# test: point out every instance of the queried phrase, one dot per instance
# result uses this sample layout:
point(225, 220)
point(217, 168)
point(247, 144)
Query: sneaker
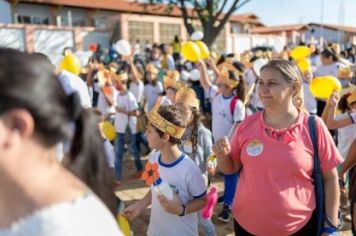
point(225, 214)
point(221, 199)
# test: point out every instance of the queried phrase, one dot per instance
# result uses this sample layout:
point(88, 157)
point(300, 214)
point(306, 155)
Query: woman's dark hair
point(239, 90)
point(329, 52)
point(174, 114)
point(29, 82)
point(343, 105)
point(153, 82)
point(95, 58)
point(176, 39)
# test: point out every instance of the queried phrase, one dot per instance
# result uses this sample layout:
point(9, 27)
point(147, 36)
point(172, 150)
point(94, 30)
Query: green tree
point(212, 14)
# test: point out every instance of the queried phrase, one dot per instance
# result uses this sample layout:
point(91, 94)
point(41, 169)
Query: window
point(236, 28)
point(24, 19)
point(100, 23)
point(142, 31)
point(168, 31)
point(78, 22)
point(32, 20)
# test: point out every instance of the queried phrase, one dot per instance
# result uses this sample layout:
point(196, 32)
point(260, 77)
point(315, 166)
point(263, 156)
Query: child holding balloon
point(177, 216)
point(346, 134)
point(227, 97)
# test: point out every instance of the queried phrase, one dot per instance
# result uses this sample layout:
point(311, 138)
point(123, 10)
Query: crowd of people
point(274, 142)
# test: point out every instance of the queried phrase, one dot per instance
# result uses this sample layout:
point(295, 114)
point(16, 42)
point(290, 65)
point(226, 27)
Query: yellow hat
point(104, 76)
point(188, 97)
point(174, 74)
point(119, 77)
point(224, 76)
point(151, 69)
point(352, 98)
point(171, 83)
point(345, 72)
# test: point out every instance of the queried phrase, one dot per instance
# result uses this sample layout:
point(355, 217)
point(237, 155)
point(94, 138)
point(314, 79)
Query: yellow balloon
point(300, 52)
point(204, 50)
point(303, 64)
point(191, 51)
point(70, 63)
point(323, 87)
point(108, 130)
point(124, 225)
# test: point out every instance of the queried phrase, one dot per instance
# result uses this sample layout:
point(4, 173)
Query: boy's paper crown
point(164, 125)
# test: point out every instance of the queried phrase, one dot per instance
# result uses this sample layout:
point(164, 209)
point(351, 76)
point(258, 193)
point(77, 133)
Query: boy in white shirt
point(177, 216)
point(125, 117)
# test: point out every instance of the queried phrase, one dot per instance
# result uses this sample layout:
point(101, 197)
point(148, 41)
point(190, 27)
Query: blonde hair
point(291, 74)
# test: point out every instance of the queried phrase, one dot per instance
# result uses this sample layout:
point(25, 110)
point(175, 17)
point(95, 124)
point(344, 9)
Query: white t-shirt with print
point(127, 101)
point(324, 70)
point(85, 215)
point(222, 119)
point(185, 178)
point(345, 135)
point(72, 83)
point(137, 89)
point(152, 93)
point(103, 106)
point(109, 153)
point(309, 100)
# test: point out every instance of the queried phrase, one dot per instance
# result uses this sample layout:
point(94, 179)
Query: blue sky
point(278, 12)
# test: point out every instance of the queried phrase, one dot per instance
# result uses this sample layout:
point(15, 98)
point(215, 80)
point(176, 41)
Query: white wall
point(328, 34)
point(5, 12)
point(101, 38)
point(52, 43)
point(12, 38)
point(244, 42)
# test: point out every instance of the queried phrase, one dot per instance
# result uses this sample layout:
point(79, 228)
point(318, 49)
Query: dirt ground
point(135, 189)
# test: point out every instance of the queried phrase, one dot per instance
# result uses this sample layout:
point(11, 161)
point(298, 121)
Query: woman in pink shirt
point(274, 152)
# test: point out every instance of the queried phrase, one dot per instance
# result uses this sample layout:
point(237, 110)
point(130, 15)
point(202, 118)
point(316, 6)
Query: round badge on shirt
point(188, 146)
point(255, 148)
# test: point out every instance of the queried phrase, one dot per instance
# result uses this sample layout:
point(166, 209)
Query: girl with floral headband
point(227, 104)
point(196, 142)
point(178, 216)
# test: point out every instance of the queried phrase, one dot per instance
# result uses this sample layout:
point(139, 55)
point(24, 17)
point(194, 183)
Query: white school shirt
point(222, 119)
point(166, 101)
point(127, 101)
point(324, 70)
point(152, 93)
point(109, 153)
point(86, 215)
point(345, 135)
point(72, 83)
point(309, 99)
point(137, 89)
point(103, 106)
point(185, 178)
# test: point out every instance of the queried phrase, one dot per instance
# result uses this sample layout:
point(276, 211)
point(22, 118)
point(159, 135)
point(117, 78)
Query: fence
point(51, 40)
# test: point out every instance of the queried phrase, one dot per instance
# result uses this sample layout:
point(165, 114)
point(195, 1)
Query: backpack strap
point(232, 105)
point(317, 176)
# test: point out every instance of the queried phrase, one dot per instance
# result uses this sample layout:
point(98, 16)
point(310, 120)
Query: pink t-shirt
point(275, 193)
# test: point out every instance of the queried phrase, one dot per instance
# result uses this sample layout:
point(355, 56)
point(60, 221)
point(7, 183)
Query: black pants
point(309, 229)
